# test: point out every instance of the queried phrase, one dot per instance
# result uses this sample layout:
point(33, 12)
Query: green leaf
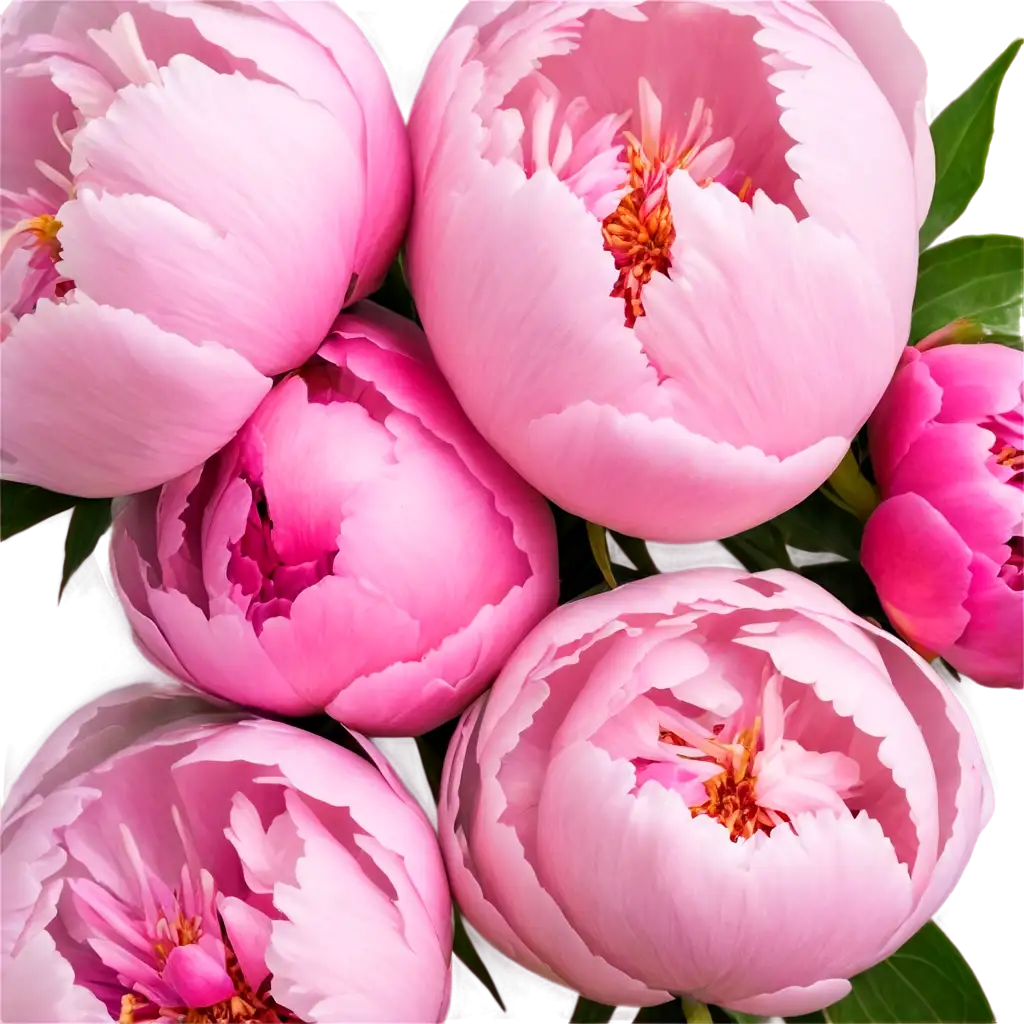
point(814, 532)
point(978, 278)
point(818, 1017)
point(744, 1018)
point(89, 522)
point(433, 746)
point(636, 553)
point(587, 1012)
point(24, 505)
point(577, 570)
point(926, 979)
point(848, 582)
point(962, 134)
point(463, 948)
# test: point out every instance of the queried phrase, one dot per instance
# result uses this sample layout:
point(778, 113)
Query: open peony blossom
point(191, 192)
point(945, 548)
point(357, 548)
point(665, 252)
point(166, 860)
point(710, 783)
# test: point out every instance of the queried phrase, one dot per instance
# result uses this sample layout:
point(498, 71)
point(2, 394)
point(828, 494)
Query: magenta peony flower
point(710, 783)
point(191, 192)
point(358, 548)
point(665, 253)
point(167, 860)
point(945, 548)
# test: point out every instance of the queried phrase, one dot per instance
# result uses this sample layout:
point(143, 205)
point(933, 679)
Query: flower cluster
point(379, 413)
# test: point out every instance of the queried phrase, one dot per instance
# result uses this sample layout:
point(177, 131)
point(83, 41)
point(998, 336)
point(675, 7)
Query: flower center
point(269, 584)
point(732, 792)
point(1011, 457)
point(640, 232)
point(244, 1007)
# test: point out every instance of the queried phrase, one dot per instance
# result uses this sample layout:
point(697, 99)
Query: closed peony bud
point(945, 548)
point(191, 192)
point(714, 784)
point(168, 860)
point(357, 548)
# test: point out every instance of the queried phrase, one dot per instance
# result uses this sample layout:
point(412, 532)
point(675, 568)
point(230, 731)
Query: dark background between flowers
point(992, 937)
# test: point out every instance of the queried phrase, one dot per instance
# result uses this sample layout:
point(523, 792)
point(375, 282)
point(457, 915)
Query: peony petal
point(325, 974)
point(963, 785)
point(991, 648)
point(951, 466)
point(337, 630)
point(657, 865)
point(99, 401)
point(197, 978)
point(744, 368)
point(874, 32)
point(912, 402)
point(100, 729)
point(24, 1000)
point(977, 381)
point(226, 650)
point(248, 931)
point(658, 467)
point(388, 161)
point(211, 122)
point(921, 568)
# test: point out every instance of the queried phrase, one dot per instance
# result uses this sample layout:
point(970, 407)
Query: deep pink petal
point(921, 568)
point(99, 401)
point(912, 401)
point(977, 381)
point(950, 465)
point(991, 648)
point(197, 978)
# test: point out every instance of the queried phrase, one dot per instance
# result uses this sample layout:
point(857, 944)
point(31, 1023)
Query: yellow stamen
point(44, 229)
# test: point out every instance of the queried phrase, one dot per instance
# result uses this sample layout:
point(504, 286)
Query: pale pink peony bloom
point(710, 783)
point(191, 192)
point(665, 253)
point(165, 859)
point(945, 548)
point(357, 548)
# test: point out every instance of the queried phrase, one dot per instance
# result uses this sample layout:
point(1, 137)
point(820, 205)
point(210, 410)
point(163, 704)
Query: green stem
point(696, 1013)
point(598, 537)
point(848, 488)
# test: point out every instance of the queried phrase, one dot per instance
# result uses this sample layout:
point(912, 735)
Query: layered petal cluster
point(945, 548)
point(166, 860)
point(190, 194)
point(357, 548)
point(670, 245)
point(710, 783)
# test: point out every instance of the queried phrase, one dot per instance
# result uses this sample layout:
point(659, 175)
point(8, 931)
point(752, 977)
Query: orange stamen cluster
point(639, 233)
point(732, 797)
point(1011, 457)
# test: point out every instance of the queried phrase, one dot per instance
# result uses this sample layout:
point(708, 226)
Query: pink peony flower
point(945, 548)
point(191, 192)
point(665, 253)
point(710, 783)
point(358, 548)
point(167, 860)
